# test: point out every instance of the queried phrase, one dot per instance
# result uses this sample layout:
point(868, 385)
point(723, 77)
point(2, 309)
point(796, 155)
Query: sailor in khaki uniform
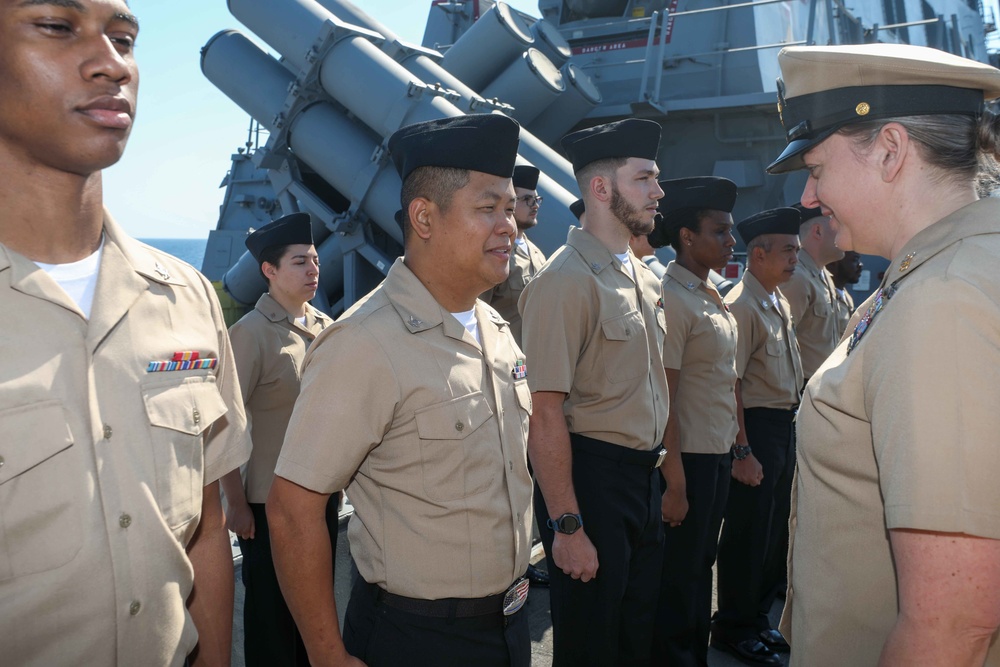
point(754, 538)
point(810, 291)
point(844, 273)
point(896, 547)
point(119, 403)
point(594, 329)
point(269, 345)
point(527, 259)
point(417, 400)
point(699, 358)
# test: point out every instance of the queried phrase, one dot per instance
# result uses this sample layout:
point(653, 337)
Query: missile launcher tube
point(497, 39)
point(346, 70)
point(581, 96)
point(550, 41)
point(531, 84)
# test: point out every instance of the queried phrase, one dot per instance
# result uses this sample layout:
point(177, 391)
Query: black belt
point(645, 458)
point(458, 607)
point(777, 414)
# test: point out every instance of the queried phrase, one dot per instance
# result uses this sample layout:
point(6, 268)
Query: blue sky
point(167, 185)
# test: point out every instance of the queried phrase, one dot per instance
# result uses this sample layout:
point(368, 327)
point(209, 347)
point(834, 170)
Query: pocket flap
point(189, 406)
point(454, 419)
point(523, 395)
point(623, 327)
point(775, 347)
point(32, 434)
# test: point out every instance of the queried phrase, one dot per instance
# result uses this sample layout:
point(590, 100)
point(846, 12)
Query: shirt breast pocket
point(42, 486)
point(179, 412)
point(455, 451)
point(624, 347)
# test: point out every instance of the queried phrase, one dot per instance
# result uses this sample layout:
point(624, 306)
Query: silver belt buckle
point(662, 455)
point(515, 596)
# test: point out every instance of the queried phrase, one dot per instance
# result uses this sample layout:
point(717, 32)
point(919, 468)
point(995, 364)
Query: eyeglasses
point(530, 200)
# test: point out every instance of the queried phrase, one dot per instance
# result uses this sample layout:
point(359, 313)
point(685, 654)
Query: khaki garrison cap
point(823, 88)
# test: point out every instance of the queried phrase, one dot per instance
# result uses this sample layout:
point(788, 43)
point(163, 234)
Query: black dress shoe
point(750, 651)
point(537, 577)
point(774, 640)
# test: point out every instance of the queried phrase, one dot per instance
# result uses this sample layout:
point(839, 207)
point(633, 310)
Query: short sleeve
point(797, 292)
point(931, 389)
point(227, 443)
point(555, 309)
point(347, 403)
point(680, 321)
point(247, 355)
point(744, 336)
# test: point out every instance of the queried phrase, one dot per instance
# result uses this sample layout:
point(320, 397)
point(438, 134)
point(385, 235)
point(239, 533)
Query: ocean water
point(191, 251)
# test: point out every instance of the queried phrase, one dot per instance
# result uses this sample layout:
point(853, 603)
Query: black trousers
point(383, 636)
point(753, 546)
point(270, 638)
point(684, 612)
point(609, 620)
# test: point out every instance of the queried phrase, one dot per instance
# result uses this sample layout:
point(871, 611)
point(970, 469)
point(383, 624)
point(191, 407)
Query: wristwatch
point(567, 523)
point(740, 452)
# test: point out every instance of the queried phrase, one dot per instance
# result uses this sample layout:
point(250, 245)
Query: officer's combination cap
point(477, 142)
point(291, 229)
point(632, 137)
point(577, 208)
point(807, 214)
point(773, 221)
point(525, 176)
point(824, 88)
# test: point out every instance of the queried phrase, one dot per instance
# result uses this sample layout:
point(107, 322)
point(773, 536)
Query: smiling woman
point(897, 536)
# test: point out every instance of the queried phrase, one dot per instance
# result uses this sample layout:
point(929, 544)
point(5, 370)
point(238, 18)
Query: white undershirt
point(627, 263)
point(468, 320)
point(301, 320)
point(78, 279)
point(521, 243)
point(774, 299)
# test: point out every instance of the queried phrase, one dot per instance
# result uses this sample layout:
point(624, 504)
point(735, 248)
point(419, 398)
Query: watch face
point(568, 523)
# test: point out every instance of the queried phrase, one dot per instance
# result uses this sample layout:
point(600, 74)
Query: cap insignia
point(862, 109)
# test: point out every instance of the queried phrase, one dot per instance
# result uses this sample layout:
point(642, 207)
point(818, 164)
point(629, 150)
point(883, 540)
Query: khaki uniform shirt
point(844, 306)
point(269, 346)
point(596, 336)
point(429, 428)
point(701, 344)
point(524, 264)
point(900, 433)
point(103, 462)
point(767, 353)
point(812, 299)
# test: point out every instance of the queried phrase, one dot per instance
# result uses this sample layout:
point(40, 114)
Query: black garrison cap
point(577, 208)
point(287, 230)
point(807, 213)
point(773, 221)
point(632, 137)
point(477, 142)
point(525, 176)
point(701, 192)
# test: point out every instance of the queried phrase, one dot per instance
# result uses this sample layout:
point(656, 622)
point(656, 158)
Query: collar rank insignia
point(520, 370)
point(163, 273)
point(878, 303)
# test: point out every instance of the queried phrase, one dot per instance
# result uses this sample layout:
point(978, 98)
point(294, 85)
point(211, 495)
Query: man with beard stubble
point(593, 330)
